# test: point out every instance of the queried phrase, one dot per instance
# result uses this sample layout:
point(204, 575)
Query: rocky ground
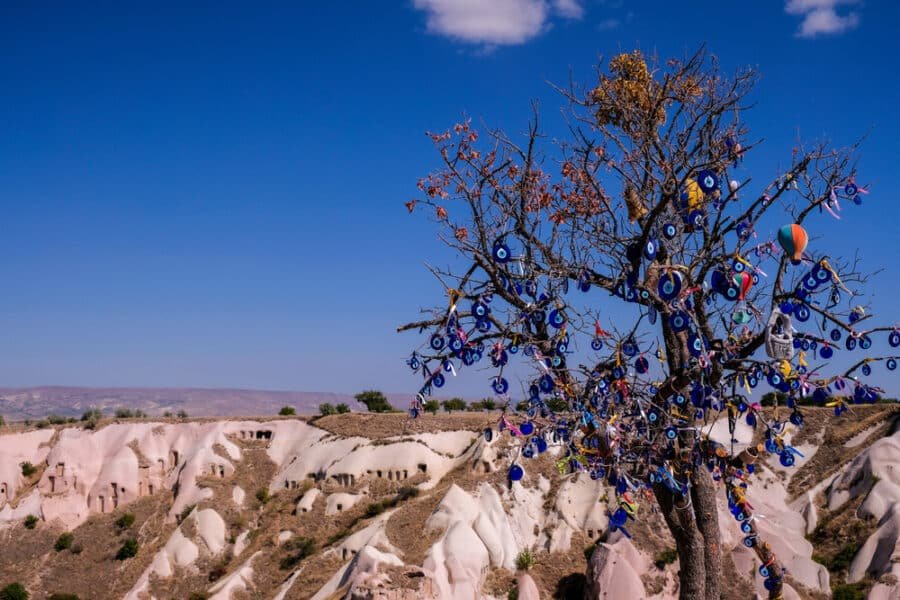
point(382, 506)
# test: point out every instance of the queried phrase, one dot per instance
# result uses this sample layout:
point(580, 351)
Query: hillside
point(39, 402)
point(383, 506)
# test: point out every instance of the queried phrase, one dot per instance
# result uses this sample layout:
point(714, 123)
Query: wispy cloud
point(571, 9)
point(609, 24)
point(821, 17)
point(494, 22)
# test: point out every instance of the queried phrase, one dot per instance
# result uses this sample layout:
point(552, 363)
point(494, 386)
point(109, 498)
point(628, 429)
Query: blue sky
point(212, 195)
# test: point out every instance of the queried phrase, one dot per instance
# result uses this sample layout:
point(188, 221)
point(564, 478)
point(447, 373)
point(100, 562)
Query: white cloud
point(494, 22)
point(821, 16)
point(609, 24)
point(571, 9)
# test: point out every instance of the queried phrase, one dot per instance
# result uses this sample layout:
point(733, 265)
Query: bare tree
point(637, 206)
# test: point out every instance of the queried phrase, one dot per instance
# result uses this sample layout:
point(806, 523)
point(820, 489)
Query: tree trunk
point(679, 515)
point(703, 496)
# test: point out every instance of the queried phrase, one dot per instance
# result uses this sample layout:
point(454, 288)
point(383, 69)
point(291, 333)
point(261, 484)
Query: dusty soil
point(29, 556)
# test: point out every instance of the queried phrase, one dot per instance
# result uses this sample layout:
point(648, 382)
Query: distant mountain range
point(37, 402)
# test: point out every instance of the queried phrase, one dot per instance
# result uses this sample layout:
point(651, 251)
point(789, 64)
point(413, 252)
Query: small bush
point(168, 414)
point(374, 509)
point(186, 512)
point(14, 591)
point(198, 596)
point(407, 492)
point(63, 542)
point(28, 469)
point(2, 421)
point(93, 414)
point(300, 548)
point(31, 522)
point(218, 572)
point(666, 557)
point(182, 414)
point(56, 420)
point(327, 409)
point(843, 558)
point(263, 496)
point(337, 537)
point(849, 591)
point(125, 521)
point(63, 597)
point(305, 545)
point(128, 550)
point(525, 560)
point(124, 413)
point(42, 424)
point(342, 409)
point(287, 411)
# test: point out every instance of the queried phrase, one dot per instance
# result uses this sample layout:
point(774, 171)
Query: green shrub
point(14, 591)
point(849, 591)
point(287, 411)
point(128, 550)
point(374, 509)
point(56, 420)
point(525, 560)
point(342, 409)
point(186, 512)
point(182, 414)
point(31, 522)
point(337, 537)
point(42, 424)
point(63, 597)
point(93, 414)
point(198, 596)
point(124, 413)
point(125, 521)
point(407, 492)
point(28, 469)
point(666, 557)
point(300, 548)
point(263, 496)
point(2, 421)
point(63, 542)
point(374, 401)
point(843, 558)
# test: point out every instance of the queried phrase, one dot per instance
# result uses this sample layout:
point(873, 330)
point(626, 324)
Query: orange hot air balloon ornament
point(793, 239)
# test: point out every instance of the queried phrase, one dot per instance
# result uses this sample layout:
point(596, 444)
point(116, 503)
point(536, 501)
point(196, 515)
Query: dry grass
point(832, 454)
point(376, 426)
point(29, 557)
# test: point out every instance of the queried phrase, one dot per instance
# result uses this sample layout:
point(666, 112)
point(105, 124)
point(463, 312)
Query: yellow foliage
point(630, 95)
